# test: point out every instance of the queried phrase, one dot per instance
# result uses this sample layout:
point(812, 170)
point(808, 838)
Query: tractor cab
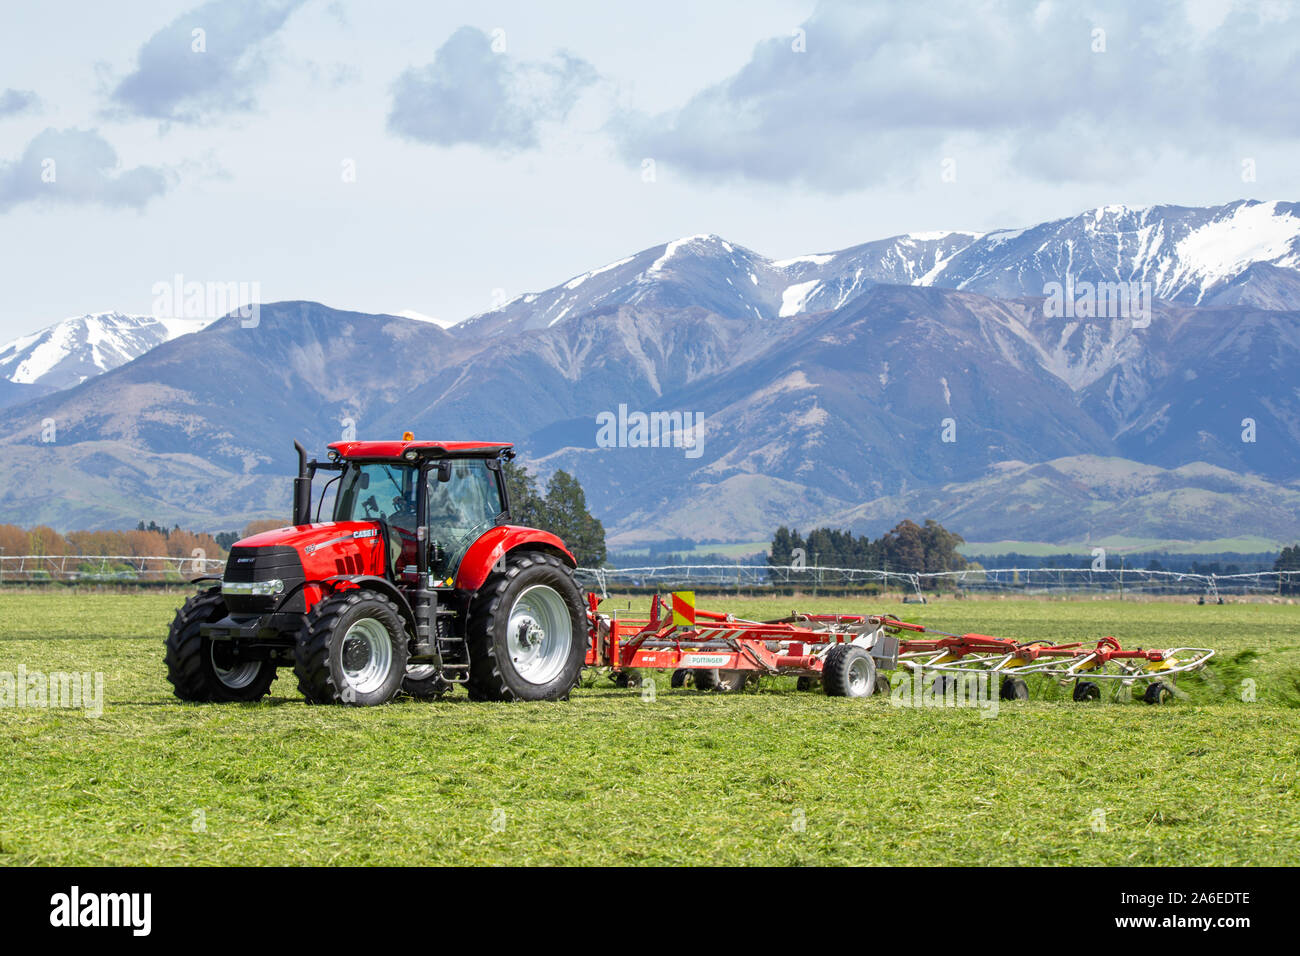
point(463, 498)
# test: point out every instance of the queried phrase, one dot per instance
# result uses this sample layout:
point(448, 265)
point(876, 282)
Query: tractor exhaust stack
point(301, 488)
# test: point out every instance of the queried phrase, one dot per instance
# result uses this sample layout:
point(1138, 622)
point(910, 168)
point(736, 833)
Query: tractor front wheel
point(200, 669)
point(352, 649)
point(527, 631)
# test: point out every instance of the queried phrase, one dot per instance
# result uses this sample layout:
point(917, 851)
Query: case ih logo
point(363, 533)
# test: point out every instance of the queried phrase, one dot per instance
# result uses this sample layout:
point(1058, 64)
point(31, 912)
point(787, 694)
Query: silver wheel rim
point(859, 676)
point(237, 677)
point(420, 671)
point(366, 655)
point(539, 634)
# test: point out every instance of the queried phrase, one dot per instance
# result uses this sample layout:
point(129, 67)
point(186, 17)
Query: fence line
point(1025, 580)
point(128, 568)
point(104, 567)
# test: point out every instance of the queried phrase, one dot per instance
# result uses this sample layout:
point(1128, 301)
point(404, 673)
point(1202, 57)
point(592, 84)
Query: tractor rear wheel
point(352, 649)
point(527, 631)
point(204, 670)
point(725, 682)
point(848, 671)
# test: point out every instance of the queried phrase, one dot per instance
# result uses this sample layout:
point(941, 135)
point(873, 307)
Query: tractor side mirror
point(444, 471)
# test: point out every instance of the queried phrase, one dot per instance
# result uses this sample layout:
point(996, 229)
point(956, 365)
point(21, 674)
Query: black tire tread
point(835, 669)
point(187, 667)
point(311, 653)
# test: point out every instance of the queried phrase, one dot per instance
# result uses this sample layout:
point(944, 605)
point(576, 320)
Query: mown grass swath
point(621, 776)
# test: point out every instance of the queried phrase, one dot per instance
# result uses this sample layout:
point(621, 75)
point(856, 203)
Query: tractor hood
point(325, 550)
point(315, 536)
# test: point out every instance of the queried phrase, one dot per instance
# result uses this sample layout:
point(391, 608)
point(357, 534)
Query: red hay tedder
point(419, 581)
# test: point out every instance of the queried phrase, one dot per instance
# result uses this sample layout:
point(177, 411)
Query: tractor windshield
point(378, 491)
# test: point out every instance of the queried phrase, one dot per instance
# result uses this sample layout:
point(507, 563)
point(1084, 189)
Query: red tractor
point(418, 582)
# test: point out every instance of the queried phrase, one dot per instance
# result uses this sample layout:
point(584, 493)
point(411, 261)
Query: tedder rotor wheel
point(1014, 688)
point(679, 677)
point(527, 631)
point(352, 649)
point(1158, 693)
point(804, 683)
point(723, 681)
point(205, 670)
point(1086, 690)
point(882, 683)
point(630, 678)
point(423, 682)
point(848, 671)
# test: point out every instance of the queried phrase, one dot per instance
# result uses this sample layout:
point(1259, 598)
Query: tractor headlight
point(267, 588)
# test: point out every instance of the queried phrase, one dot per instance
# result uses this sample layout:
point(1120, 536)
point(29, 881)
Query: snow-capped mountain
point(1244, 252)
point(704, 270)
point(69, 352)
point(1191, 255)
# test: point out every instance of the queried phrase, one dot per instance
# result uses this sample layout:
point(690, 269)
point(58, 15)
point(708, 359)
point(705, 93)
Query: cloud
point(881, 89)
point(184, 75)
point(14, 102)
point(76, 166)
point(471, 94)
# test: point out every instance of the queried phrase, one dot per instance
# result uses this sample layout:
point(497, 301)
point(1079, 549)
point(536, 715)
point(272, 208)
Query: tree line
point(908, 548)
point(141, 541)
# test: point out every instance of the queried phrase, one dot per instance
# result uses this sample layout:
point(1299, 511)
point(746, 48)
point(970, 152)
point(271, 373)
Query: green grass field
point(768, 777)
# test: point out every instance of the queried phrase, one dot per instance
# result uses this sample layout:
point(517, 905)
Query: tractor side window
point(461, 509)
point(471, 497)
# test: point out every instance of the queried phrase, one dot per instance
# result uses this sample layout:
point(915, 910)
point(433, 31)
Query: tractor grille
point(263, 564)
